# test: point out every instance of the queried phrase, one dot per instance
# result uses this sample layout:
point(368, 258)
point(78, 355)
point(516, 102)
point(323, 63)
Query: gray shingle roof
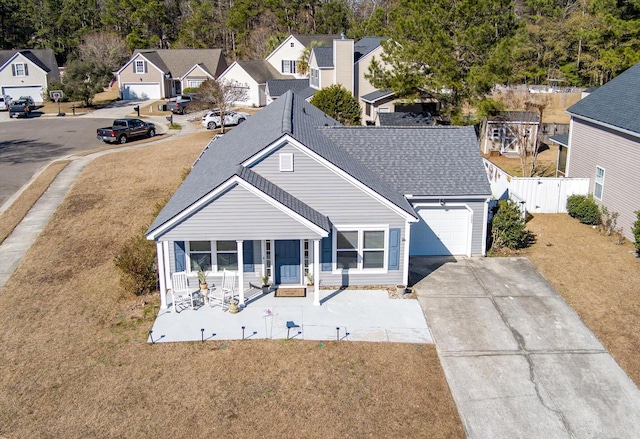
point(323, 39)
point(560, 139)
point(261, 71)
point(366, 45)
point(43, 58)
point(180, 61)
point(428, 161)
point(377, 95)
point(288, 115)
point(278, 87)
point(323, 55)
point(615, 103)
point(406, 119)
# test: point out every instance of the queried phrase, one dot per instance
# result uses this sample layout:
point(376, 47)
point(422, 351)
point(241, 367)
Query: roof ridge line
point(288, 114)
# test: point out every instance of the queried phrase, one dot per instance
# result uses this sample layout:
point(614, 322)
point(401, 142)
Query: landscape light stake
point(243, 332)
point(337, 333)
point(202, 334)
point(151, 337)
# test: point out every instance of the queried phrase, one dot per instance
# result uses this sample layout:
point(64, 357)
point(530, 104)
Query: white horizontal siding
point(619, 155)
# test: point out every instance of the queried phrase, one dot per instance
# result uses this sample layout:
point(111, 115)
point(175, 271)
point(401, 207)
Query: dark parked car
point(124, 129)
point(20, 108)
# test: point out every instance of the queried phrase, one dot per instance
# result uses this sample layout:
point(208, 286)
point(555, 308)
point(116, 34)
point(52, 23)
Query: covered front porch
point(344, 314)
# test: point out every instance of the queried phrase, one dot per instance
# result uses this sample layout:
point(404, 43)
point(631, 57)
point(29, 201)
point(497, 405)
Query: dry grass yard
point(598, 278)
point(75, 363)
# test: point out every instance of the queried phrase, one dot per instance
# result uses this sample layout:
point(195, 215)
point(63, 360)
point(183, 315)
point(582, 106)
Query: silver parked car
point(5, 101)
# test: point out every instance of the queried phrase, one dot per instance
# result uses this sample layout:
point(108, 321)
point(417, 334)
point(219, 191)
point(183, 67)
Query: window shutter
point(247, 256)
point(134, 67)
point(145, 67)
point(26, 70)
point(327, 253)
point(282, 66)
point(394, 249)
point(13, 69)
point(179, 256)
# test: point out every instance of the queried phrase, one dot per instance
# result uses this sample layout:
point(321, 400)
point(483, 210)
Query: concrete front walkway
point(519, 361)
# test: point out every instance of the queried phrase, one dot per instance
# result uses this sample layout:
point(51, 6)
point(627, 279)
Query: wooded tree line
point(460, 45)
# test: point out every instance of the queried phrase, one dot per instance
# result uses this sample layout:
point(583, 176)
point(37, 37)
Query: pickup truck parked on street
point(181, 104)
point(211, 119)
point(20, 108)
point(124, 129)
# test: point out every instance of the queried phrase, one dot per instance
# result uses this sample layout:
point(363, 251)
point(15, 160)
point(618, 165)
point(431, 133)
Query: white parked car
point(211, 119)
point(5, 101)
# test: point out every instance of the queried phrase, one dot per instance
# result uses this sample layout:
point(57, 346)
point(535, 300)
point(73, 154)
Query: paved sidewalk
point(518, 360)
point(16, 245)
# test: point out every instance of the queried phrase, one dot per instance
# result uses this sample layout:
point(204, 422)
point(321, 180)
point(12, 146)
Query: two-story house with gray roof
point(291, 191)
point(604, 145)
point(27, 72)
point(164, 73)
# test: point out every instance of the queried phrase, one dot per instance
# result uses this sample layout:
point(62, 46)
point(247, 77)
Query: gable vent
point(286, 162)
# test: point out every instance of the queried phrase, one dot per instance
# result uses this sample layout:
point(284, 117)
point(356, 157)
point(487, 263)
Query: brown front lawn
point(599, 279)
point(75, 362)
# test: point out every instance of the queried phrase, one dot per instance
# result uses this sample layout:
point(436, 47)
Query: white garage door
point(35, 91)
point(141, 91)
point(441, 231)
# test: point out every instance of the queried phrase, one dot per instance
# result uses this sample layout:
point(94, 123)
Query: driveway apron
point(519, 361)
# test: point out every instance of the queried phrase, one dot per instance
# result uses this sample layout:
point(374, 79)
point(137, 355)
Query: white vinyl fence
point(535, 194)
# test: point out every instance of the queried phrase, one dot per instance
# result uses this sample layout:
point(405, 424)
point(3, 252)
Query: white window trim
point(137, 66)
point(194, 83)
point(214, 256)
point(286, 162)
point(360, 228)
point(24, 69)
point(600, 182)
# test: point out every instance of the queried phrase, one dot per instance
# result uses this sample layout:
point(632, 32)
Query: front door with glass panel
point(287, 262)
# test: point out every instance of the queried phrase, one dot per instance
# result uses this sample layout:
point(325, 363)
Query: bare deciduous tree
point(108, 49)
point(523, 118)
point(222, 95)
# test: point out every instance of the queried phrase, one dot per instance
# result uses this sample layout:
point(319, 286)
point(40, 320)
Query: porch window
point(200, 255)
point(360, 249)
point(598, 187)
point(226, 255)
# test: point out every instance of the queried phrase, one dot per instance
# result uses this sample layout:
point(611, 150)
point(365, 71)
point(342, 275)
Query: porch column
point(405, 258)
point(240, 272)
point(316, 272)
point(161, 274)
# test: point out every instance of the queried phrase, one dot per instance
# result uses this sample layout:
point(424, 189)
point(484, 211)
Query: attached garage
point(442, 230)
point(141, 91)
point(35, 91)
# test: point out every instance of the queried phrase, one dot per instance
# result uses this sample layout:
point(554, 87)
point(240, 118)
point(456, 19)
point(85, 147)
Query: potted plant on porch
point(202, 279)
point(265, 283)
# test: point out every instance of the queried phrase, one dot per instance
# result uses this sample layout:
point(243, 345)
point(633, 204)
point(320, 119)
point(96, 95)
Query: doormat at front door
point(291, 292)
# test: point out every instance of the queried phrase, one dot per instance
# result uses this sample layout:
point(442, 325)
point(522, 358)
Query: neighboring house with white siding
point(164, 73)
point(291, 191)
point(604, 145)
point(27, 73)
point(286, 56)
point(252, 75)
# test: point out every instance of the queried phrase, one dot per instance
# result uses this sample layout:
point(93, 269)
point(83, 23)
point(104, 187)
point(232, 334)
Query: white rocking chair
point(180, 292)
point(222, 296)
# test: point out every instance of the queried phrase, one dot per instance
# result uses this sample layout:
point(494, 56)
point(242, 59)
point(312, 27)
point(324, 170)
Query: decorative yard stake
point(202, 334)
point(338, 333)
point(243, 332)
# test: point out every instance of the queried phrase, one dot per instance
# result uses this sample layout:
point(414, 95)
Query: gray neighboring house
point(291, 191)
point(27, 72)
point(604, 145)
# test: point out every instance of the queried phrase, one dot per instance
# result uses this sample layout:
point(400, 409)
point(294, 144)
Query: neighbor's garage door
point(35, 91)
point(141, 91)
point(441, 231)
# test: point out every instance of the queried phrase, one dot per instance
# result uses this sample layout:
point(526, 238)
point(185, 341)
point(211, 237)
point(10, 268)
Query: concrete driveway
point(519, 361)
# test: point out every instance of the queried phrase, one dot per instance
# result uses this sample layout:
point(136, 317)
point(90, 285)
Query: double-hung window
point(598, 187)
point(361, 249)
point(315, 78)
point(139, 66)
point(289, 66)
point(20, 69)
point(213, 255)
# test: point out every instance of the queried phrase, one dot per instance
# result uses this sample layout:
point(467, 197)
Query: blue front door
point(287, 262)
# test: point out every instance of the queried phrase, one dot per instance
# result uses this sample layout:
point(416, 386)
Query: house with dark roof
point(291, 192)
point(252, 75)
point(286, 56)
point(278, 87)
point(27, 72)
point(164, 73)
point(604, 145)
